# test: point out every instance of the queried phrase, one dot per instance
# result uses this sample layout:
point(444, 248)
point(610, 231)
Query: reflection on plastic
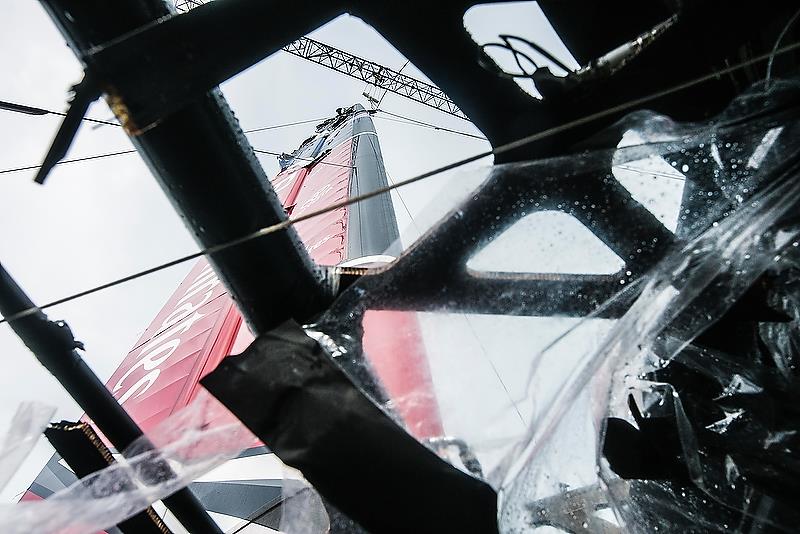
point(184, 442)
point(661, 397)
point(30, 420)
point(302, 509)
point(693, 343)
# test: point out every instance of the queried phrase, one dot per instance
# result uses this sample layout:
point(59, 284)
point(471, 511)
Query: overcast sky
point(96, 221)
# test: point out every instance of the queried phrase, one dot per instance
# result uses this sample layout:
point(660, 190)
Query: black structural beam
point(54, 346)
point(204, 163)
point(159, 67)
point(85, 453)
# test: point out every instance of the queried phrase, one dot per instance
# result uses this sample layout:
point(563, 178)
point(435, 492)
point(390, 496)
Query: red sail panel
point(159, 374)
point(286, 185)
point(394, 344)
point(325, 184)
point(200, 325)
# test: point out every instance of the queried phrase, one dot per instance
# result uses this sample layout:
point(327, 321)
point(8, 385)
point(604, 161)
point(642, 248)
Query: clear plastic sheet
point(302, 509)
point(27, 425)
point(184, 444)
point(529, 381)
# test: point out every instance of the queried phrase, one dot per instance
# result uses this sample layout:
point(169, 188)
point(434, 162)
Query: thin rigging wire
point(121, 152)
point(514, 403)
point(14, 107)
point(87, 119)
point(464, 315)
point(403, 202)
point(33, 110)
point(408, 120)
point(359, 198)
point(43, 111)
point(75, 160)
point(109, 154)
point(271, 153)
point(286, 125)
point(774, 48)
point(429, 125)
point(386, 92)
point(391, 182)
point(410, 123)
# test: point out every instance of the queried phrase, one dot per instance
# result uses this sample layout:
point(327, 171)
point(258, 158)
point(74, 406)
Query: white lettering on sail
point(146, 381)
point(155, 352)
point(151, 361)
point(314, 198)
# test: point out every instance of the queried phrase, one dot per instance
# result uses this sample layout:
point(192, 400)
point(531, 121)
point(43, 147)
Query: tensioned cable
point(131, 151)
point(14, 107)
point(285, 125)
point(429, 125)
point(74, 160)
point(359, 198)
point(391, 182)
point(466, 317)
point(271, 153)
point(775, 47)
point(410, 123)
point(253, 130)
point(122, 152)
point(32, 110)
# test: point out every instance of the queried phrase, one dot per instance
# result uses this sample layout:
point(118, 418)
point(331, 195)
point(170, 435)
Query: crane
point(361, 69)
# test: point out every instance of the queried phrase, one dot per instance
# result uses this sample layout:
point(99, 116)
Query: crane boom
point(373, 73)
point(361, 69)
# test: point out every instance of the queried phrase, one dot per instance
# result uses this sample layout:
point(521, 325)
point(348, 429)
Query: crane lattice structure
point(361, 69)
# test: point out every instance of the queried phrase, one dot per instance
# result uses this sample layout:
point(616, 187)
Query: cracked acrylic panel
point(654, 393)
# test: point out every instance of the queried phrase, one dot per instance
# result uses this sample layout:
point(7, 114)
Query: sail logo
point(318, 194)
point(161, 346)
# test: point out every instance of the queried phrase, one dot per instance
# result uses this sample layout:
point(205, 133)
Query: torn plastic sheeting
point(728, 248)
point(82, 449)
point(738, 439)
point(737, 421)
point(683, 297)
point(558, 171)
point(302, 509)
point(731, 226)
point(27, 425)
point(127, 487)
point(316, 420)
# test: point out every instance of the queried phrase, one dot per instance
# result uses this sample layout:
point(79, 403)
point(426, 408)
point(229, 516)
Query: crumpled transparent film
point(718, 266)
point(27, 425)
point(302, 509)
point(186, 446)
point(529, 395)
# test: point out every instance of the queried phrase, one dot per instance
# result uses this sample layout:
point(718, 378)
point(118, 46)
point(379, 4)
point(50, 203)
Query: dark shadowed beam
point(54, 346)
point(206, 166)
point(159, 67)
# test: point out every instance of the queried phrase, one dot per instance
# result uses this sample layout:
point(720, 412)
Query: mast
point(200, 325)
